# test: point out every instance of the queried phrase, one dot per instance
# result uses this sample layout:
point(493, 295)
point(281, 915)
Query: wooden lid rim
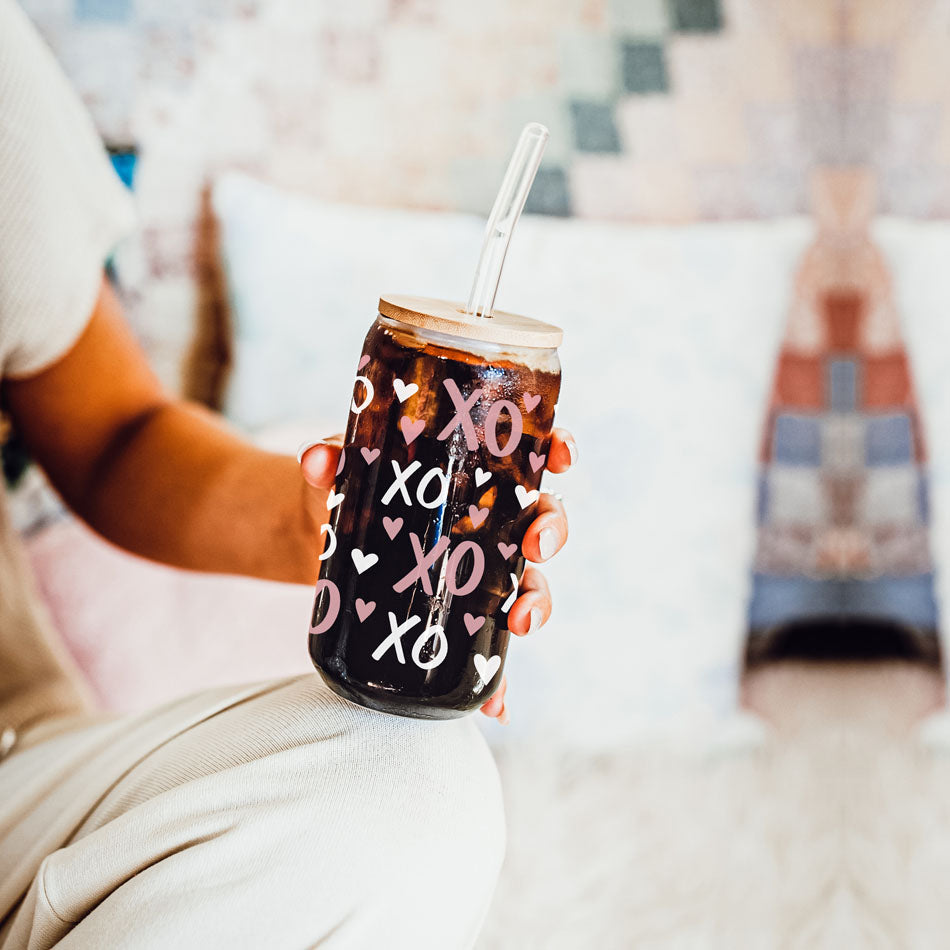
point(449, 317)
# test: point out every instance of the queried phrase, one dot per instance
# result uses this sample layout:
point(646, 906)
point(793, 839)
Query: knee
point(310, 818)
point(404, 817)
point(436, 778)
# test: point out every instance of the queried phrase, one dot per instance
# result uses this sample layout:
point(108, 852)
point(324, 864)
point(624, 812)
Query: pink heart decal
point(342, 461)
point(372, 454)
point(537, 461)
point(473, 624)
point(478, 515)
point(392, 526)
point(411, 428)
point(364, 359)
point(364, 609)
point(507, 549)
point(531, 401)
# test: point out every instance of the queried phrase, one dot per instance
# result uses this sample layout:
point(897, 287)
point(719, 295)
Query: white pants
point(269, 817)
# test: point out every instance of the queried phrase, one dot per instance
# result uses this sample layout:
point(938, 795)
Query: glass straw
point(504, 216)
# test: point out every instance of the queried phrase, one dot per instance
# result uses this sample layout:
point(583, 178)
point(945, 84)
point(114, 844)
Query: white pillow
point(304, 280)
point(670, 339)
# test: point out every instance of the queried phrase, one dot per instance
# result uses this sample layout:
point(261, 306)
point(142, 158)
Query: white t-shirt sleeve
point(62, 207)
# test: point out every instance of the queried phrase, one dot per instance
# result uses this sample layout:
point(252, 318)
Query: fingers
point(547, 534)
point(319, 461)
point(495, 707)
point(533, 606)
point(529, 611)
point(563, 452)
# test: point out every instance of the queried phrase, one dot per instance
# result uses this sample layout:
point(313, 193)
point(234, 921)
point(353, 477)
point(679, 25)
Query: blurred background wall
point(660, 110)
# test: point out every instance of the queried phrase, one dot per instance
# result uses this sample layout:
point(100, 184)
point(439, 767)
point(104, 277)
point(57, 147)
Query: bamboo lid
point(443, 316)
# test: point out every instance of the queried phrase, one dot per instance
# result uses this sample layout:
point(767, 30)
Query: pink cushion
point(144, 633)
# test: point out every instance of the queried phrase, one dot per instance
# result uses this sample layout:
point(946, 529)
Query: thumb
point(319, 461)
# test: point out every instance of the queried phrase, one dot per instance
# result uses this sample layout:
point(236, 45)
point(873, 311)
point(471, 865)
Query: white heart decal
point(481, 476)
point(363, 562)
point(526, 497)
point(486, 667)
point(404, 390)
point(334, 499)
point(513, 596)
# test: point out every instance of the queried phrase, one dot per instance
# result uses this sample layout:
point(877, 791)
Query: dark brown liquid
point(432, 676)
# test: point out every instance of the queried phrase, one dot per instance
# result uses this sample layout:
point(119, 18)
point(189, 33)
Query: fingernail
point(306, 447)
point(503, 716)
point(547, 543)
point(535, 616)
point(572, 451)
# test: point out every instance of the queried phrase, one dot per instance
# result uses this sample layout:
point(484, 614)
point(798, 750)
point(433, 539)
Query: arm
point(166, 480)
point(160, 477)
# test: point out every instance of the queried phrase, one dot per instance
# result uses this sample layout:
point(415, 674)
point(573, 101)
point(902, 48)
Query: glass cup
point(447, 439)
